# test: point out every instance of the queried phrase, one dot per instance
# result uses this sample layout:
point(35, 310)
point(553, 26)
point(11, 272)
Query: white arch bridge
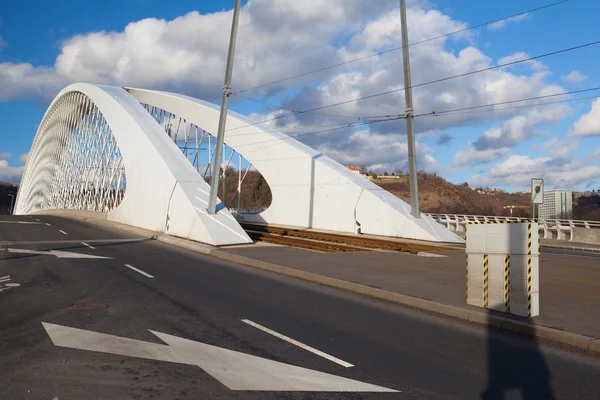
point(141, 157)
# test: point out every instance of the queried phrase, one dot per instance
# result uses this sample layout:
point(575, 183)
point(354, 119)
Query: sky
point(182, 47)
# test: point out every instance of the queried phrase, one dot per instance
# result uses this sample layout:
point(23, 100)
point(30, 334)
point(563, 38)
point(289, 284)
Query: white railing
point(562, 227)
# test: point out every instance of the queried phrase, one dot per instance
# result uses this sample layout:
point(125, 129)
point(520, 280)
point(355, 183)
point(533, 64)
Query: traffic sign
point(537, 191)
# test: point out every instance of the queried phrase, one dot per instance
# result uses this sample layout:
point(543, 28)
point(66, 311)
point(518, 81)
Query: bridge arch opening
point(243, 189)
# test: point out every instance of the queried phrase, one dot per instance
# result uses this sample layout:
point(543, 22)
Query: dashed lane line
point(147, 275)
point(63, 232)
point(299, 344)
point(85, 244)
point(48, 224)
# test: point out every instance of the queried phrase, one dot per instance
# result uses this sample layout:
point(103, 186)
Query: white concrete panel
point(308, 188)
point(475, 238)
point(511, 238)
point(496, 269)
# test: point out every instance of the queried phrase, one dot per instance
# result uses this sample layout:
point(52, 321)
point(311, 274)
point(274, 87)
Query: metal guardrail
point(562, 227)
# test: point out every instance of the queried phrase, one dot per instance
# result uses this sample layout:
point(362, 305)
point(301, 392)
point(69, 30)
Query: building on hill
point(556, 204)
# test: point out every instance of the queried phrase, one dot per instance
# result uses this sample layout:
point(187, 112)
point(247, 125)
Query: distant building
point(353, 169)
point(556, 204)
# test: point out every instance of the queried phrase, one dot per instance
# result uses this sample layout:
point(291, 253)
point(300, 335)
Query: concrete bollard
point(503, 266)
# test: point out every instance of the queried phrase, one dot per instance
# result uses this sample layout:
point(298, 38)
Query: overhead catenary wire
point(436, 113)
point(507, 108)
point(365, 122)
point(352, 124)
point(280, 107)
point(401, 47)
point(425, 83)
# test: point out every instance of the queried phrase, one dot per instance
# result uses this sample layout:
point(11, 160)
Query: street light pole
point(214, 182)
point(412, 159)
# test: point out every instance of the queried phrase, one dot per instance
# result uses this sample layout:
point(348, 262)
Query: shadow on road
point(516, 365)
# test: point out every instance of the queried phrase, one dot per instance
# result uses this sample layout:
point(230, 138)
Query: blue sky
point(280, 38)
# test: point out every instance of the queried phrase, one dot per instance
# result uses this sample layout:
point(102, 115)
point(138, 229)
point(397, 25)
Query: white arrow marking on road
point(56, 253)
point(237, 371)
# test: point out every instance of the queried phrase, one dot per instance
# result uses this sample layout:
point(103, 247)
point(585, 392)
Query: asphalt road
point(195, 297)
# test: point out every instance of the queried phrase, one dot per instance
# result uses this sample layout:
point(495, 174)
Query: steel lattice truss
point(190, 139)
point(76, 161)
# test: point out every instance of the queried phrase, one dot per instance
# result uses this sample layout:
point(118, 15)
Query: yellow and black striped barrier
point(502, 266)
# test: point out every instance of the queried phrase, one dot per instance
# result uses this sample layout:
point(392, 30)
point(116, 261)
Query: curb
point(556, 246)
point(582, 342)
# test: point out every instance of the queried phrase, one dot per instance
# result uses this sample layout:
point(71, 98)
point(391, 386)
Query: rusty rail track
point(345, 241)
point(300, 243)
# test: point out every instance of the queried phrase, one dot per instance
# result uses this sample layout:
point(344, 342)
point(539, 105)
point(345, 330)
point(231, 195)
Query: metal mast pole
point(412, 159)
point(214, 182)
point(239, 185)
point(12, 201)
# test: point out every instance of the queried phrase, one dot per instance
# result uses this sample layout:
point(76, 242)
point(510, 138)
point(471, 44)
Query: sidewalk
point(570, 291)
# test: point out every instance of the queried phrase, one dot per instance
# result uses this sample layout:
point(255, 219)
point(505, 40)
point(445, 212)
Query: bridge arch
point(98, 149)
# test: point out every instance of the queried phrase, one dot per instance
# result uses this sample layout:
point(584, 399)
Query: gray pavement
point(569, 280)
point(205, 300)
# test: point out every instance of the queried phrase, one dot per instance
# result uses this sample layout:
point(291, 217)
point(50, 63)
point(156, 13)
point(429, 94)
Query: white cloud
point(472, 156)
point(518, 129)
point(9, 173)
point(501, 24)
point(23, 157)
point(5, 156)
point(574, 77)
point(519, 56)
point(276, 38)
point(588, 124)
point(378, 152)
point(559, 148)
point(518, 170)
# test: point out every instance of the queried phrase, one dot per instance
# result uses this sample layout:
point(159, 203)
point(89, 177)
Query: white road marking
point(21, 222)
point(63, 232)
point(91, 247)
point(4, 279)
point(9, 285)
point(139, 271)
point(299, 344)
point(235, 370)
point(56, 253)
point(37, 220)
point(48, 224)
